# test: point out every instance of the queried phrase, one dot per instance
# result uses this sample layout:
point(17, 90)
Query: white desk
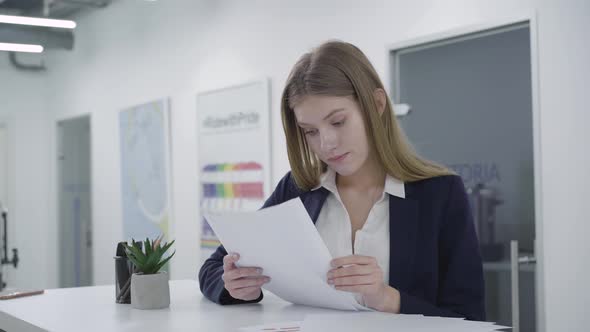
point(94, 309)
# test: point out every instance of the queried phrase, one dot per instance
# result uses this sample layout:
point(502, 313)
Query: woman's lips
point(338, 158)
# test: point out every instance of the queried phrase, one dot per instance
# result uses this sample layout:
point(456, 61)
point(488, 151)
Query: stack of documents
point(377, 322)
point(284, 242)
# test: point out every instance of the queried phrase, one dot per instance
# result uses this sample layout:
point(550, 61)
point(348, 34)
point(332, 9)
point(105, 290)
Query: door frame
point(55, 189)
point(6, 124)
point(10, 275)
point(529, 18)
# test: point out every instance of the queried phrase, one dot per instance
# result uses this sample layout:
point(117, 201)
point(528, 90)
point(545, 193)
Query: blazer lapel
point(313, 202)
point(403, 228)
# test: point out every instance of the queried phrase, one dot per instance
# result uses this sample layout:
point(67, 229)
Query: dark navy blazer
point(435, 262)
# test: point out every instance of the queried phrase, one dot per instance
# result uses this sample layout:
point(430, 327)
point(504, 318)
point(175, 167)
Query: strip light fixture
point(41, 22)
point(28, 48)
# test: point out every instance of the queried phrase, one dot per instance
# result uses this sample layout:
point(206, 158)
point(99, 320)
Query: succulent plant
point(149, 259)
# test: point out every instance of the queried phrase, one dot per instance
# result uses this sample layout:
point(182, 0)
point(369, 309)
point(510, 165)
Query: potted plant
point(149, 286)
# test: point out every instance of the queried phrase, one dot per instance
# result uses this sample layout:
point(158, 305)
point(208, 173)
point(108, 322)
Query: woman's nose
point(328, 141)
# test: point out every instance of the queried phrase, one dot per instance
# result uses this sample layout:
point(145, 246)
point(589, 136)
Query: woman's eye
point(310, 132)
point(338, 123)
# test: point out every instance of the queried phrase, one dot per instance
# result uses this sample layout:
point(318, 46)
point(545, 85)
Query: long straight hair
point(340, 69)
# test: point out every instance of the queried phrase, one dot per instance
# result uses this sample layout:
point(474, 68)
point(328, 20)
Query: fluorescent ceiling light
point(21, 48)
point(41, 22)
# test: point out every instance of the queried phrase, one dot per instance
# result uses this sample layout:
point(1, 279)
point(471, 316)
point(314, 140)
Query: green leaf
point(136, 244)
point(148, 247)
point(135, 255)
point(152, 261)
point(162, 263)
point(167, 246)
point(149, 258)
point(134, 261)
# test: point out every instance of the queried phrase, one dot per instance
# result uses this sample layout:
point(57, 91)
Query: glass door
point(470, 108)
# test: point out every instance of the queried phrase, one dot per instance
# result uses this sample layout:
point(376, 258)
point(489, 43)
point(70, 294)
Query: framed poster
point(234, 152)
point(145, 170)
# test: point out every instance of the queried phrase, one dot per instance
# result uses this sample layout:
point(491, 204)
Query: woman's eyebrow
point(327, 116)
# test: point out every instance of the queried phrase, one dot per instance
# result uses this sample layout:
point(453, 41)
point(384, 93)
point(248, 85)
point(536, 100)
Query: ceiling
point(49, 38)
point(57, 8)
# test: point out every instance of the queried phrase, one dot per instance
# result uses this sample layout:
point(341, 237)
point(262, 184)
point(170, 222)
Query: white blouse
point(372, 239)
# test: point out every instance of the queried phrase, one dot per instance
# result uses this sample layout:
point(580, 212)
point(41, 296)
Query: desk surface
point(94, 309)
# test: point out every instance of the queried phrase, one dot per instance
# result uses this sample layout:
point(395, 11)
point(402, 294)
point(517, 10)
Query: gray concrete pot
point(150, 291)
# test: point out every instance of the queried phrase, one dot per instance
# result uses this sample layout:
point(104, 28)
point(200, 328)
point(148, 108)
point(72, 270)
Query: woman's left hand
point(362, 274)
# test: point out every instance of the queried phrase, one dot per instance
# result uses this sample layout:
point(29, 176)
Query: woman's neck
point(369, 177)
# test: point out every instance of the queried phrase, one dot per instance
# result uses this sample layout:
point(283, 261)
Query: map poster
point(145, 170)
point(233, 152)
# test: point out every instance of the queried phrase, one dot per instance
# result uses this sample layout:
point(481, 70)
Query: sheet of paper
point(378, 321)
point(284, 242)
point(274, 327)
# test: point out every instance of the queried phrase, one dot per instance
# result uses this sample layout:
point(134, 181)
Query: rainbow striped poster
point(234, 153)
point(229, 187)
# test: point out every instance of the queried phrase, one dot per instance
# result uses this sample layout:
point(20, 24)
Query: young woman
point(399, 226)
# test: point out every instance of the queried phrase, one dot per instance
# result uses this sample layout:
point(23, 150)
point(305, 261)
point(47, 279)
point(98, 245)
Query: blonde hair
point(340, 69)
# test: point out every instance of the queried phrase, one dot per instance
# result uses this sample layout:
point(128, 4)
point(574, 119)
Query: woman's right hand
point(243, 283)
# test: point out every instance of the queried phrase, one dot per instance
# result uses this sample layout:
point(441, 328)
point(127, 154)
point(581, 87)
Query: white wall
point(24, 111)
point(132, 53)
point(564, 68)
point(136, 51)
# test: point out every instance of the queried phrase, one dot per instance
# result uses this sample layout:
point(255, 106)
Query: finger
point(352, 270)
point(353, 259)
point(352, 281)
point(229, 261)
point(354, 289)
point(242, 272)
point(244, 292)
point(249, 282)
